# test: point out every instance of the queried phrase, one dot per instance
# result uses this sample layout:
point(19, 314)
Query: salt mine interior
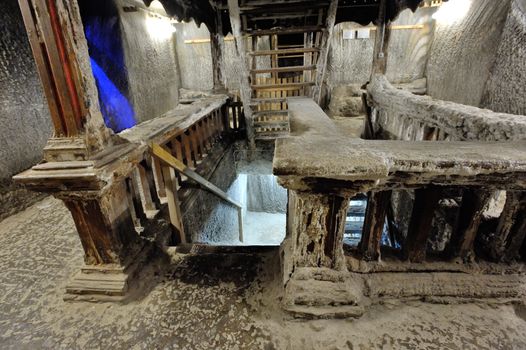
point(263, 174)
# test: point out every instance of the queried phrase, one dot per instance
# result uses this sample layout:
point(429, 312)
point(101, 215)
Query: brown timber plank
point(426, 201)
point(374, 224)
point(284, 51)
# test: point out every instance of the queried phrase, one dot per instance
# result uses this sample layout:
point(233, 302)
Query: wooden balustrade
point(306, 163)
point(322, 176)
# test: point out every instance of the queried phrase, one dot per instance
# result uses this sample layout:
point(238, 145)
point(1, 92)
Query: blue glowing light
point(117, 111)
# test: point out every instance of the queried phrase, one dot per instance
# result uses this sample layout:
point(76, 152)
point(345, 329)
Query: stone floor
point(207, 301)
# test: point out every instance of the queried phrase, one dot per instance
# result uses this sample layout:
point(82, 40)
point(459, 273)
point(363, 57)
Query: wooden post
point(60, 50)
point(373, 227)
point(426, 201)
point(244, 83)
point(511, 231)
point(176, 219)
point(383, 33)
point(216, 49)
point(473, 204)
point(321, 66)
point(317, 222)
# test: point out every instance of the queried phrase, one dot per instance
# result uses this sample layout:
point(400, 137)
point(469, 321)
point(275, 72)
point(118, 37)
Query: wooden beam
point(216, 50)
point(424, 206)
point(165, 156)
point(324, 53)
point(284, 86)
point(381, 43)
point(470, 215)
point(284, 69)
point(284, 51)
point(283, 31)
point(243, 71)
point(511, 230)
point(373, 227)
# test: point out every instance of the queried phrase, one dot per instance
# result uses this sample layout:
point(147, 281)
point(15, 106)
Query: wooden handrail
point(176, 164)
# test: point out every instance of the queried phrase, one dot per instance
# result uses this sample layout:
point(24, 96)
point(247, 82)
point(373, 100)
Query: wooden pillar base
point(108, 282)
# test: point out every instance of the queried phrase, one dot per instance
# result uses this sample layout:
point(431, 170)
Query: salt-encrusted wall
point(350, 60)
point(196, 61)
point(133, 61)
point(151, 61)
point(24, 118)
point(506, 88)
point(464, 52)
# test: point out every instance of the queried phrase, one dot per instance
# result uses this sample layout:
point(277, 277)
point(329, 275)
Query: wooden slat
point(284, 51)
point(374, 224)
point(283, 69)
point(282, 31)
point(469, 218)
point(174, 207)
point(286, 86)
point(424, 206)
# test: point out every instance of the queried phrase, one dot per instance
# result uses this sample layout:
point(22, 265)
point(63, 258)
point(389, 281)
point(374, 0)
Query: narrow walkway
point(209, 301)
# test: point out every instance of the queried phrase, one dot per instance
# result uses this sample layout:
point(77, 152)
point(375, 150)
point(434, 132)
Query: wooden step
point(283, 69)
point(269, 136)
point(270, 112)
point(281, 30)
point(255, 101)
point(283, 87)
point(284, 51)
point(272, 124)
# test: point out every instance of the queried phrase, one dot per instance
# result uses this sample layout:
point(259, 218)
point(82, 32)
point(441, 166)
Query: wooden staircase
point(283, 63)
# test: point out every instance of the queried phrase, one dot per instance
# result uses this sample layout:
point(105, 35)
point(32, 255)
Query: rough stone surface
point(151, 63)
point(405, 116)
point(463, 53)
point(346, 101)
point(350, 61)
point(24, 117)
point(505, 90)
point(209, 301)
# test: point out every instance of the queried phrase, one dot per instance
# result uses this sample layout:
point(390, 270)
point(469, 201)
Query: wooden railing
point(190, 141)
point(399, 114)
point(323, 176)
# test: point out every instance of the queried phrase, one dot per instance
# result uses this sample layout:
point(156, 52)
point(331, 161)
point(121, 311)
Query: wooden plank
point(424, 206)
point(187, 150)
point(173, 162)
point(324, 53)
point(174, 207)
point(511, 230)
point(286, 86)
point(42, 64)
point(374, 224)
point(243, 71)
point(284, 51)
point(469, 218)
point(143, 185)
point(58, 61)
point(283, 31)
point(284, 69)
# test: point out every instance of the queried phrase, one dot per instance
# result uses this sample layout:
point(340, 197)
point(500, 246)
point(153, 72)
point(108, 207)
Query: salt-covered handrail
point(396, 111)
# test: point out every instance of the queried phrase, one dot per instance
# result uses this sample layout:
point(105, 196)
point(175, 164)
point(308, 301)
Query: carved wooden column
point(82, 166)
point(315, 272)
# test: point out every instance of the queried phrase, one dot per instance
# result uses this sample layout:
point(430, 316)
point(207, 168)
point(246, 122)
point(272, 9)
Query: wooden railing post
point(511, 231)
point(474, 201)
point(373, 227)
point(424, 206)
